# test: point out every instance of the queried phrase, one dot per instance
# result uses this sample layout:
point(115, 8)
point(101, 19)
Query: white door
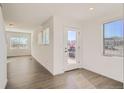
point(71, 49)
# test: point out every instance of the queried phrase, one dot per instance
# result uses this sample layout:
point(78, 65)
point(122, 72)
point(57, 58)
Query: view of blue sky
point(71, 35)
point(113, 29)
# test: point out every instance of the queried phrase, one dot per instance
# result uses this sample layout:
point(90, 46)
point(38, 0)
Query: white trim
point(78, 65)
point(102, 74)
point(3, 86)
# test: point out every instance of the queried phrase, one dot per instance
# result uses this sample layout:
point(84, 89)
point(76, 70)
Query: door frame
point(78, 65)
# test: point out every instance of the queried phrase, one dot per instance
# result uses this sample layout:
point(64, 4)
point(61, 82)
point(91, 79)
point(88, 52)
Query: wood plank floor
point(26, 73)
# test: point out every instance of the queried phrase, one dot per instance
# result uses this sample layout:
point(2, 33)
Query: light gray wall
point(60, 25)
point(51, 56)
point(17, 52)
point(44, 53)
point(92, 54)
point(3, 55)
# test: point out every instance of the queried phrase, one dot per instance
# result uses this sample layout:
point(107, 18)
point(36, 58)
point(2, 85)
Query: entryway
point(71, 48)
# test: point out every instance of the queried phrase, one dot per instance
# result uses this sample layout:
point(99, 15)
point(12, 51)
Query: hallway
point(26, 73)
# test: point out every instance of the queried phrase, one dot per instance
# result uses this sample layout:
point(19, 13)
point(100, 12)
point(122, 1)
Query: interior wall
point(92, 54)
point(51, 56)
point(60, 24)
point(3, 55)
point(44, 53)
point(17, 52)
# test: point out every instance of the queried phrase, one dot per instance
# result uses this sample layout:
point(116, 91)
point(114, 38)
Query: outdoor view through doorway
point(71, 47)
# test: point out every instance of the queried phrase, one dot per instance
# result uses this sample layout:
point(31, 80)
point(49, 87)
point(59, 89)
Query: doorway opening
point(71, 48)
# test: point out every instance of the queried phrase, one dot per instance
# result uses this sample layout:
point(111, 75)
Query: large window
point(43, 37)
point(113, 38)
point(18, 43)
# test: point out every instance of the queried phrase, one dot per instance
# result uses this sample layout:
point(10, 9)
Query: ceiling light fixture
point(11, 25)
point(91, 8)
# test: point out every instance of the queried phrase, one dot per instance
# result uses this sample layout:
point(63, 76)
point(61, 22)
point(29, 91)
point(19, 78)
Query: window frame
point(19, 41)
point(107, 22)
point(40, 37)
point(44, 31)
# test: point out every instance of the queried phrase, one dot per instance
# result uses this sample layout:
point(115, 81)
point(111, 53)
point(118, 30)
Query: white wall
point(17, 52)
point(51, 56)
point(92, 54)
point(44, 53)
point(60, 24)
point(91, 51)
point(3, 55)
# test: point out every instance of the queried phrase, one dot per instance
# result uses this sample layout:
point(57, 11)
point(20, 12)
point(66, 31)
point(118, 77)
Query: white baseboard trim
point(5, 83)
point(102, 74)
point(3, 86)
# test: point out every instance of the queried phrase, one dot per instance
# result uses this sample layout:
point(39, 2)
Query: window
point(40, 37)
point(18, 43)
point(113, 38)
point(45, 37)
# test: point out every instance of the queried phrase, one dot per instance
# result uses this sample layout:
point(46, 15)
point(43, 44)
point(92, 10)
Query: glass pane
point(23, 42)
point(71, 47)
point(113, 38)
point(44, 40)
point(47, 36)
point(18, 42)
point(14, 42)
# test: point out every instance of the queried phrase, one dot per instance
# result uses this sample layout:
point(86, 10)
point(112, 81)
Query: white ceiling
point(28, 17)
